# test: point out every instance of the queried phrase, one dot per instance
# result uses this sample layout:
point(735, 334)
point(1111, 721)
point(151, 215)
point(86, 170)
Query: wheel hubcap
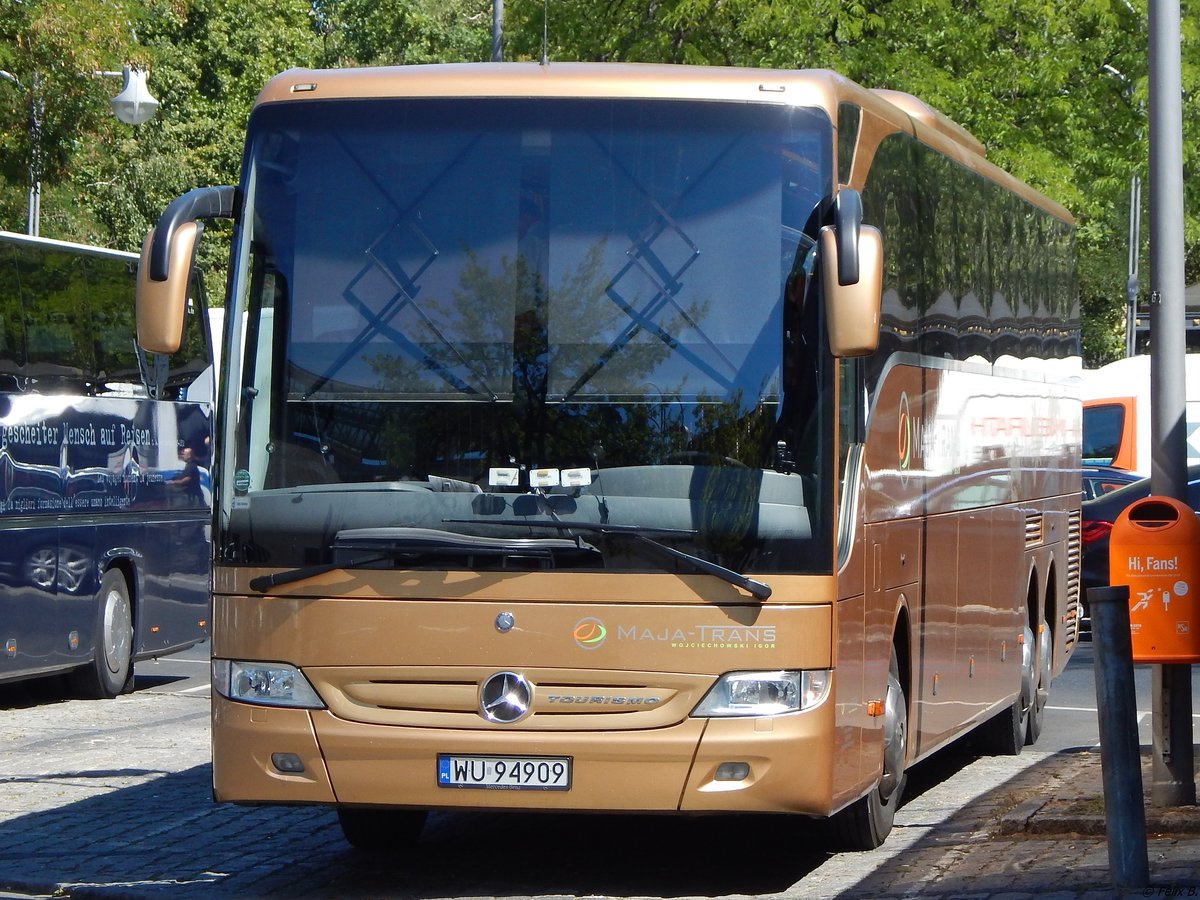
point(116, 630)
point(895, 740)
point(1042, 685)
point(1028, 673)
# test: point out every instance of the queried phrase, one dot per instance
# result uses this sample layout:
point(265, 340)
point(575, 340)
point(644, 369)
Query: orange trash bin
point(1154, 549)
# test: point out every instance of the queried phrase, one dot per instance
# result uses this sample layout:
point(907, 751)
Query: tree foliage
point(370, 33)
point(1057, 92)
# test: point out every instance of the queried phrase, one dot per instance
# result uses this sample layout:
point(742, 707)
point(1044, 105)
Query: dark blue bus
point(105, 499)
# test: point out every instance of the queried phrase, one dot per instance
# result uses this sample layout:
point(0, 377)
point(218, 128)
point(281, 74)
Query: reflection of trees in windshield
point(370, 441)
point(538, 346)
point(520, 358)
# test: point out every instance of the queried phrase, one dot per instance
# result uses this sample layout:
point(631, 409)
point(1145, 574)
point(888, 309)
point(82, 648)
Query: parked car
point(1098, 517)
point(1099, 480)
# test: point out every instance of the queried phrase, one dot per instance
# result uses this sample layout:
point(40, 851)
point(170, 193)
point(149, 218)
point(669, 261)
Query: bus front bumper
point(787, 759)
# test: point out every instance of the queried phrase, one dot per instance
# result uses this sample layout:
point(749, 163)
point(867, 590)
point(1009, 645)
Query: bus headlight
point(764, 693)
point(266, 684)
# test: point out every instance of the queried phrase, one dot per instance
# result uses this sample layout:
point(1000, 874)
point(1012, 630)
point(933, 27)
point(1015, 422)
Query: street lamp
point(133, 106)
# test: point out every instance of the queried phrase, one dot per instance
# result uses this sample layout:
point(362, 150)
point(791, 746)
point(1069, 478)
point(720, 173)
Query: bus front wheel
point(865, 824)
point(111, 670)
point(377, 830)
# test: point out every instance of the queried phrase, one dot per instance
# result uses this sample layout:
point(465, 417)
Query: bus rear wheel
point(865, 824)
point(381, 830)
point(1005, 734)
point(111, 670)
point(1041, 683)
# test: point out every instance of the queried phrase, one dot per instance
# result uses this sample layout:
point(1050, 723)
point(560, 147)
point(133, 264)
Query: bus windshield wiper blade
point(399, 542)
point(640, 534)
point(263, 583)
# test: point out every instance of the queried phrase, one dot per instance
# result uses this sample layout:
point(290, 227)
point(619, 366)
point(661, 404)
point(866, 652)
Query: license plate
point(507, 773)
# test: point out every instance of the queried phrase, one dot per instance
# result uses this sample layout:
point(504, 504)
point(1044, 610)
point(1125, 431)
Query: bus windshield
point(498, 318)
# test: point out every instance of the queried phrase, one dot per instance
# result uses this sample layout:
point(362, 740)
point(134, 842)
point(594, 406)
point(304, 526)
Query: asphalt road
point(111, 798)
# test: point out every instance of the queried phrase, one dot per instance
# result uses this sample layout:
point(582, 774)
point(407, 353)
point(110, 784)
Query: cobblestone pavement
point(1040, 834)
point(112, 799)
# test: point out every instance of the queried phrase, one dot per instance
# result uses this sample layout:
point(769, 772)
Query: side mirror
point(162, 305)
point(852, 273)
point(166, 265)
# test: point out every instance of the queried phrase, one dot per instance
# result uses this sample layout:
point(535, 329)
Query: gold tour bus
point(627, 438)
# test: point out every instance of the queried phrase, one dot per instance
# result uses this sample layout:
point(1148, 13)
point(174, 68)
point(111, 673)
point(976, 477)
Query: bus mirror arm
point(202, 203)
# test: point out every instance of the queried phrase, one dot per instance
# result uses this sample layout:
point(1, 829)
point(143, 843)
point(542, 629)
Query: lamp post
point(133, 106)
point(1131, 281)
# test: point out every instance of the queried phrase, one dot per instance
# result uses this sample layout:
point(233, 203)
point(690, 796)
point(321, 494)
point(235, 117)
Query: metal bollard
point(1120, 754)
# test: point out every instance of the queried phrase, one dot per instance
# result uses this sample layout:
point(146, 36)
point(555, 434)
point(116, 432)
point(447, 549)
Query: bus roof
point(12, 237)
point(568, 79)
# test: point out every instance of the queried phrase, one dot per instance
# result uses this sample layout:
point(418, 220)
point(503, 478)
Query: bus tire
point(866, 823)
point(1042, 677)
point(111, 670)
point(379, 830)
point(1004, 734)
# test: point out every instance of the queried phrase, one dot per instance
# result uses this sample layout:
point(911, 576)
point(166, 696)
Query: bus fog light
point(288, 763)
point(265, 684)
point(764, 693)
point(732, 771)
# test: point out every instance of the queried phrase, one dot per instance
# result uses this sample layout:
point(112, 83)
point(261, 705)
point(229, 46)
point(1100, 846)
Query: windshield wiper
point(639, 534)
point(392, 543)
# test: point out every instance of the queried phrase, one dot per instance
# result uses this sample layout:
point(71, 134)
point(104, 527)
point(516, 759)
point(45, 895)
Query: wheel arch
point(902, 640)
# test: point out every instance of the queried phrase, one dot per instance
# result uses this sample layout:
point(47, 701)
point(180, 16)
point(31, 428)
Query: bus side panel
point(938, 707)
point(976, 676)
point(28, 600)
point(852, 721)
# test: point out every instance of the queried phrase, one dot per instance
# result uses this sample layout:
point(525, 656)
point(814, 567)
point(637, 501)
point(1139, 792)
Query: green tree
point(210, 60)
point(53, 103)
point(403, 32)
point(1056, 92)
point(105, 182)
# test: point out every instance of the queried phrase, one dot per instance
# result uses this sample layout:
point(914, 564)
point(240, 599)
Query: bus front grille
point(556, 699)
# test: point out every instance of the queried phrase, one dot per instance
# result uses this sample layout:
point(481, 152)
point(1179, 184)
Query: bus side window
point(58, 324)
point(112, 326)
point(851, 411)
point(12, 324)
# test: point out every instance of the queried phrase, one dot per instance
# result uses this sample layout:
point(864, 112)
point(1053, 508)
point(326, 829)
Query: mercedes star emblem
point(504, 698)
